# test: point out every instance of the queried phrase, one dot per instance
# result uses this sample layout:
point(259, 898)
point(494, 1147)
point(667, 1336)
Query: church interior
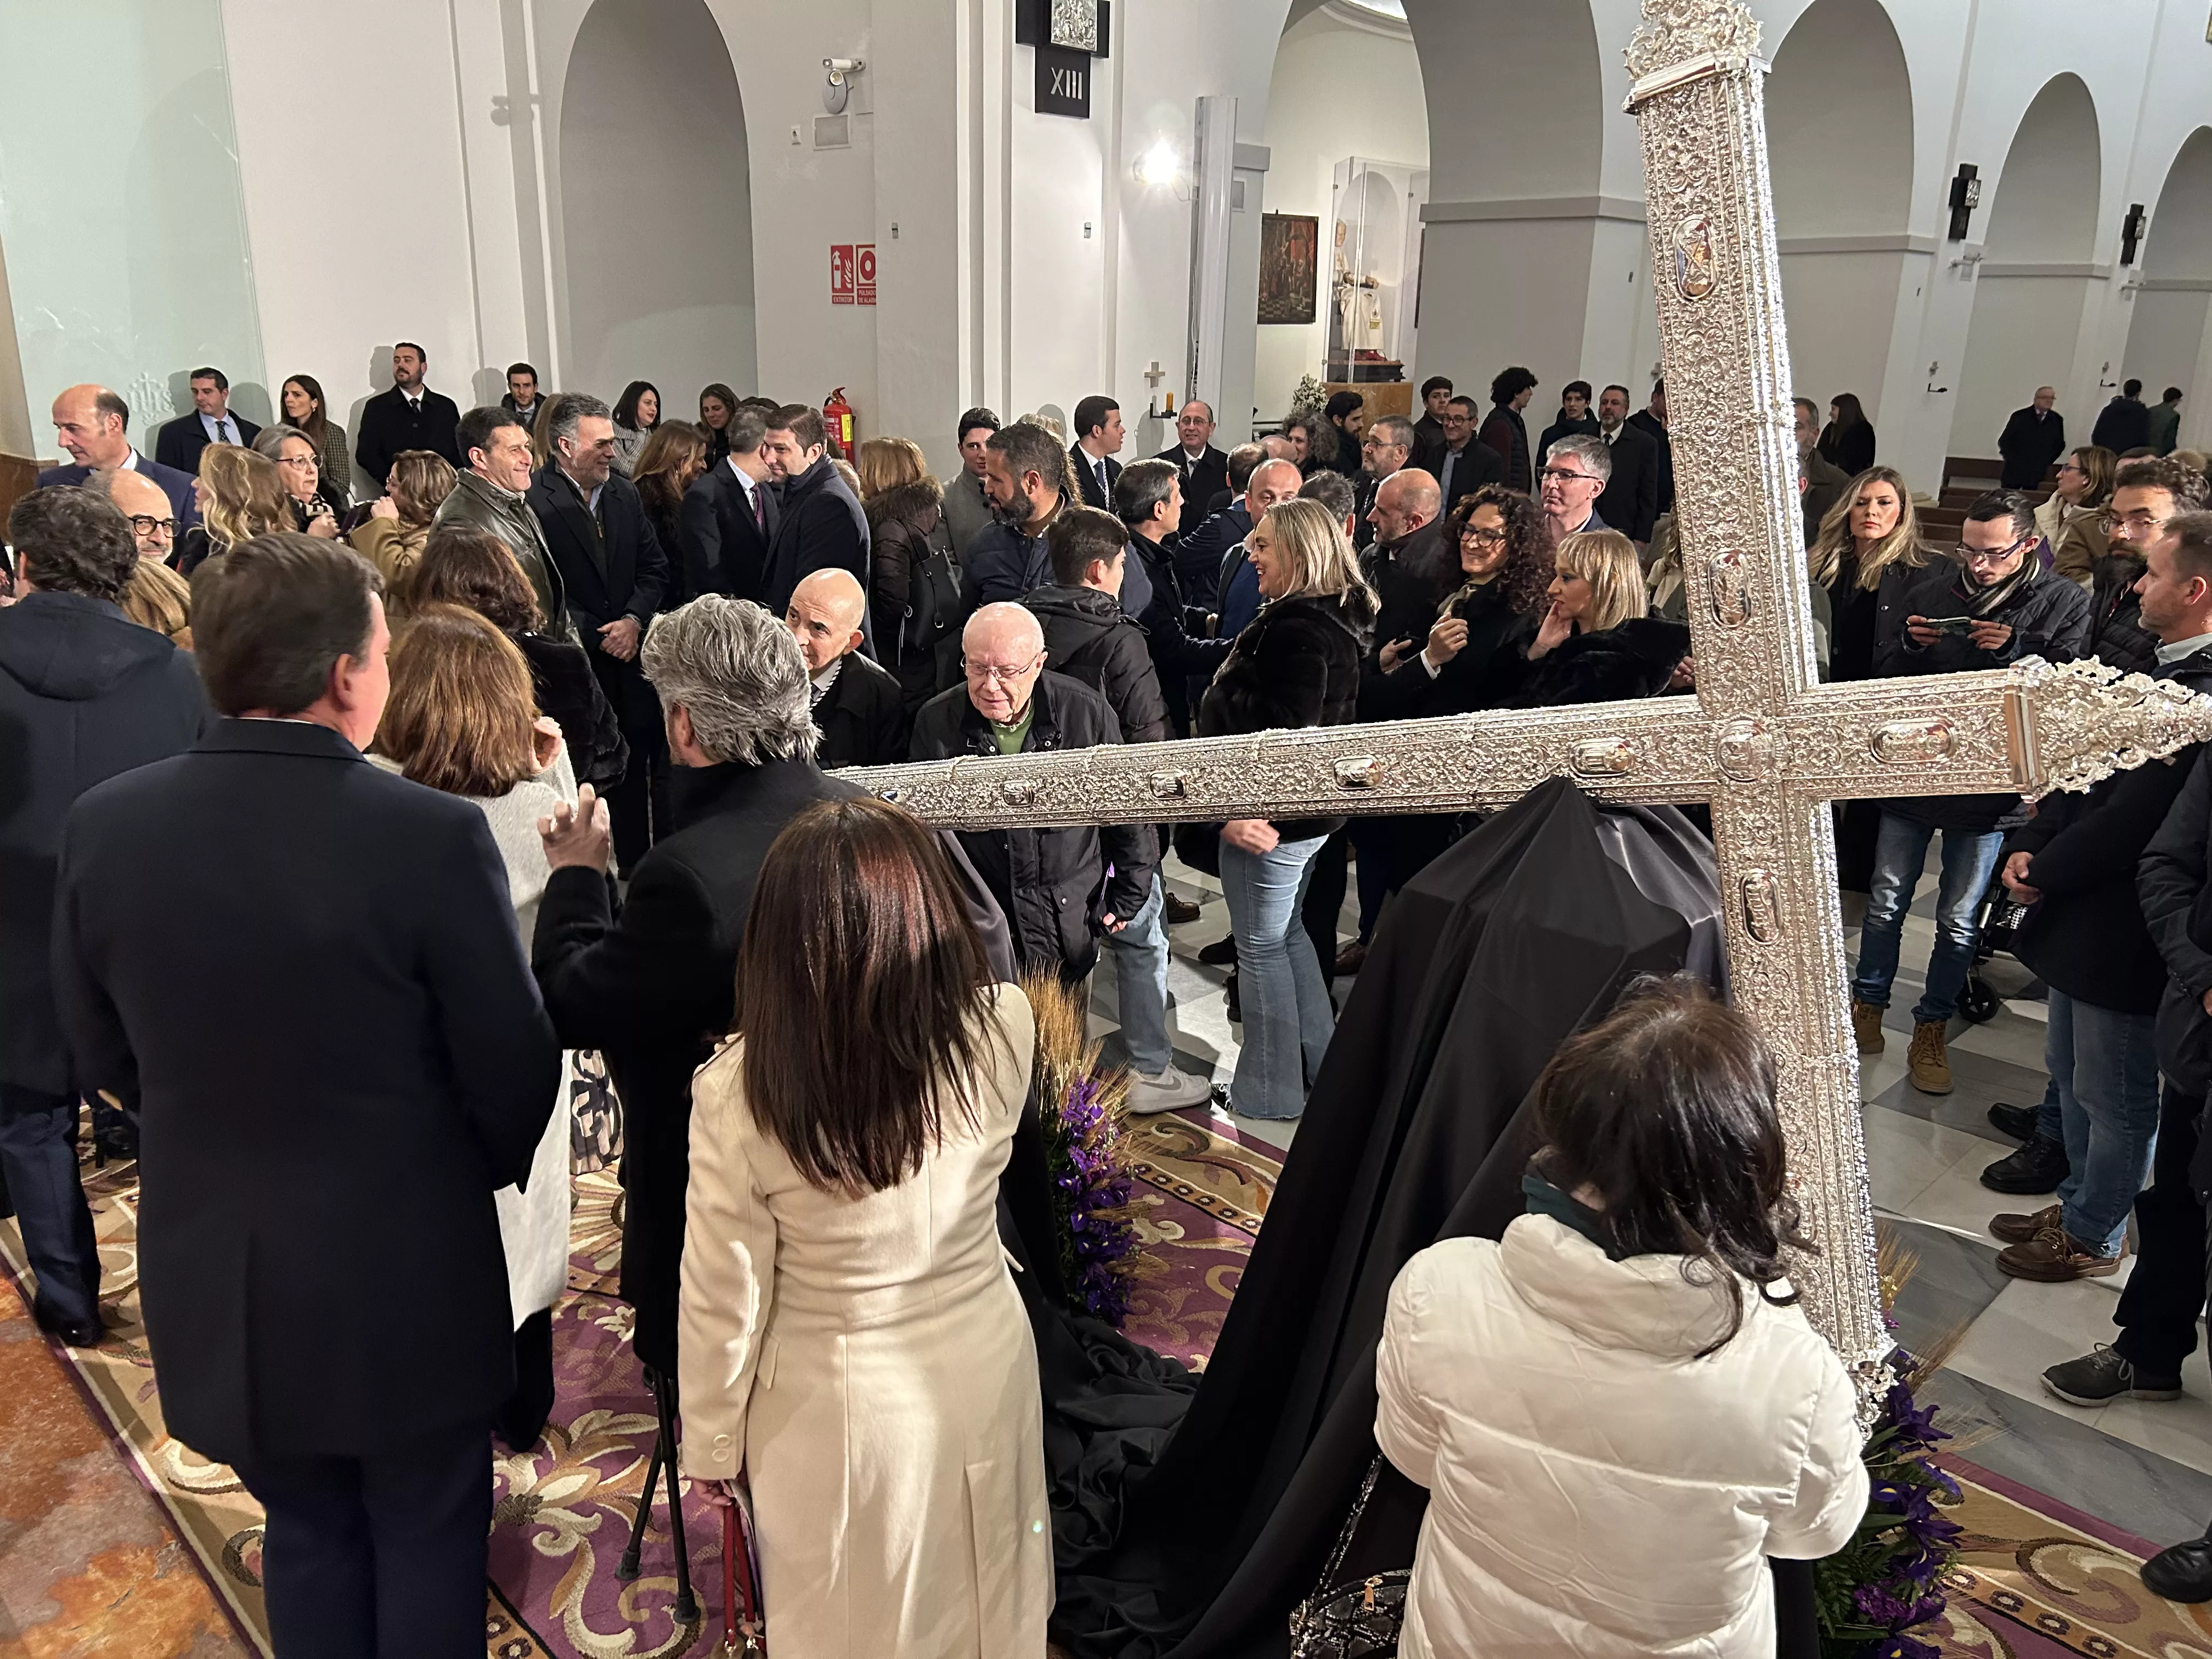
point(1893, 294)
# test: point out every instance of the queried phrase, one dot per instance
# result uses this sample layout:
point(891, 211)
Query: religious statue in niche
point(1359, 306)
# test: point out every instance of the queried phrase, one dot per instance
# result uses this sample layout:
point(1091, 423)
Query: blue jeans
point(1288, 1018)
point(2105, 1066)
point(1141, 981)
point(1969, 858)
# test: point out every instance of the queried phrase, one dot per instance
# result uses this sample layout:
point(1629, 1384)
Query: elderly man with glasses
point(1054, 885)
point(1991, 605)
point(1576, 472)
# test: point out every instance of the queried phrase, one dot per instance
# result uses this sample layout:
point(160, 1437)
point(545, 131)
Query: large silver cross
point(1763, 742)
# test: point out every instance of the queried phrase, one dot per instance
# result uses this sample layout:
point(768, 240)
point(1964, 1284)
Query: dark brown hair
point(1080, 538)
point(76, 540)
point(1528, 555)
point(473, 568)
point(271, 617)
point(461, 712)
point(421, 479)
point(666, 454)
point(858, 987)
point(1666, 1108)
point(802, 420)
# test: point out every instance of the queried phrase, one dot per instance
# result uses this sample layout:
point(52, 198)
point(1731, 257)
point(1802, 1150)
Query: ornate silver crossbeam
point(1762, 741)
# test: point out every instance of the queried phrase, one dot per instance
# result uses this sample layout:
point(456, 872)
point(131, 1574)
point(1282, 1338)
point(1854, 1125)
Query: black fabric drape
point(1195, 1539)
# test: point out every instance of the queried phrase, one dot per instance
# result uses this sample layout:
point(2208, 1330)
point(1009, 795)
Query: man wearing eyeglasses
point(153, 521)
point(1575, 475)
point(1991, 605)
point(1053, 885)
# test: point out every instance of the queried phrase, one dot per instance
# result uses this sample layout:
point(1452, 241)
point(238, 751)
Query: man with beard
point(1023, 469)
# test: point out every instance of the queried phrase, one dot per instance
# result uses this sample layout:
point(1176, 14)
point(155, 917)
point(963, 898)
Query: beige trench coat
point(869, 1361)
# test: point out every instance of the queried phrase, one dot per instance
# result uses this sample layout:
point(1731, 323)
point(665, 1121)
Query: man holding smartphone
point(1988, 606)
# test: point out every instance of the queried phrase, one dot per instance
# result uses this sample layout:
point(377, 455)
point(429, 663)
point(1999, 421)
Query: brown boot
point(1866, 1025)
point(1928, 1062)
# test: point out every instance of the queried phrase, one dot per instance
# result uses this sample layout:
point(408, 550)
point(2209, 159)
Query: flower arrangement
point(1887, 1582)
point(1310, 397)
point(1080, 1107)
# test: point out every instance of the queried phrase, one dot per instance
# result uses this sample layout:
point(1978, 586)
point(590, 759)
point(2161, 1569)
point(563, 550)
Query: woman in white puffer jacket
point(1617, 1409)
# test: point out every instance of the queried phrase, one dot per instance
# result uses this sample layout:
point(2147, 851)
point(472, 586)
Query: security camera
point(838, 86)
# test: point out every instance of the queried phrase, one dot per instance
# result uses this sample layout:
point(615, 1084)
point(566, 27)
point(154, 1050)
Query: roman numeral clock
point(1068, 34)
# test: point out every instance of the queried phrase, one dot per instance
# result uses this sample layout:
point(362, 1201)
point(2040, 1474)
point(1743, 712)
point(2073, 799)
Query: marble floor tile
point(1906, 1155)
point(1953, 1282)
point(1977, 1080)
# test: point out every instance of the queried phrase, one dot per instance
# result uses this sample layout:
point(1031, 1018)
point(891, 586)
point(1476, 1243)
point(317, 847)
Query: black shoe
point(77, 1334)
point(1235, 1007)
point(2181, 1573)
point(2038, 1167)
point(2018, 1121)
point(1219, 954)
point(1177, 910)
point(1350, 958)
point(2104, 1375)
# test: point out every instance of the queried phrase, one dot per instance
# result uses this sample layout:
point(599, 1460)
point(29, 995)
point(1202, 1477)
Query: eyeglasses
point(1562, 474)
point(984, 674)
point(2138, 523)
point(1484, 538)
point(1981, 557)
point(297, 460)
point(145, 523)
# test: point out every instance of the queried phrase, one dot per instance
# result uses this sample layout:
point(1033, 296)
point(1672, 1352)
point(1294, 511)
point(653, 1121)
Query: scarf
point(1984, 601)
point(1466, 591)
point(1545, 1198)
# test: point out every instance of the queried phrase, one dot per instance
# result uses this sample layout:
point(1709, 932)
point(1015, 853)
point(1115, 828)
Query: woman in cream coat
point(1619, 1416)
point(851, 1340)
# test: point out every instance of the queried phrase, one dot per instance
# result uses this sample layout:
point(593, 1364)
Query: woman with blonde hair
point(461, 720)
point(1867, 553)
point(159, 599)
point(2071, 519)
point(398, 523)
point(1297, 665)
point(1597, 641)
point(242, 495)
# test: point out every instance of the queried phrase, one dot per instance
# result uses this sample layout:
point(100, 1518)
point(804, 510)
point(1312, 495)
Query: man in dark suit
point(179, 441)
point(522, 399)
point(1098, 437)
point(1429, 430)
point(85, 693)
point(821, 526)
point(91, 423)
point(654, 989)
point(1631, 501)
point(614, 572)
point(286, 1036)
point(1465, 463)
point(731, 515)
point(1651, 422)
point(857, 706)
point(409, 416)
point(2031, 440)
point(1202, 470)
point(1209, 534)
point(1385, 452)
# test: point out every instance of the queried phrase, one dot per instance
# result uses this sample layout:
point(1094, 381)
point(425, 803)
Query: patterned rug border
point(2050, 1508)
point(1227, 1138)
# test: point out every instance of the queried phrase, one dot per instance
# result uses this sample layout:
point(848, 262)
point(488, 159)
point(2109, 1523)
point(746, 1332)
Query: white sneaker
point(1168, 1092)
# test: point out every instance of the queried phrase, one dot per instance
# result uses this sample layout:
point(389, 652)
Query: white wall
point(1342, 87)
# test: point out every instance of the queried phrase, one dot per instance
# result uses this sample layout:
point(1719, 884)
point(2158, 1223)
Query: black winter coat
point(2123, 424)
point(1482, 672)
point(1851, 447)
point(1002, 564)
point(823, 527)
point(1050, 883)
point(2087, 937)
point(1183, 656)
point(388, 426)
point(2050, 618)
point(1630, 502)
point(1200, 553)
point(1088, 638)
point(2116, 635)
point(1412, 578)
point(1296, 665)
point(2032, 439)
point(1507, 434)
point(85, 693)
point(2173, 886)
point(1635, 660)
point(1861, 624)
point(862, 717)
point(914, 590)
point(569, 692)
point(332, 993)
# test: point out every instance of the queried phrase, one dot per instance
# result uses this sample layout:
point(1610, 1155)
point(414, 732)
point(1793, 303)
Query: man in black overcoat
point(615, 571)
point(2032, 439)
point(654, 988)
point(408, 417)
point(337, 1053)
point(85, 693)
point(821, 526)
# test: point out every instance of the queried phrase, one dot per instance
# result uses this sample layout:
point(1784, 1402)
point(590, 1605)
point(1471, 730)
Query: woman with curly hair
point(1505, 559)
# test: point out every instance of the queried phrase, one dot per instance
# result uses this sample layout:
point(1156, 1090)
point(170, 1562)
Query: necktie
point(760, 511)
point(222, 431)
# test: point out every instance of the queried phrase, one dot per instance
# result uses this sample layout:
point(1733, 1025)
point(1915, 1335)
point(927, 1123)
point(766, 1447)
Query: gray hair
point(569, 413)
point(271, 440)
point(747, 426)
point(1394, 429)
point(737, 672)
point(1594, 453)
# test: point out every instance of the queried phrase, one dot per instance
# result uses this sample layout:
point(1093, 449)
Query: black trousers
point(522, 1417)
point(37, 1156)
point(2158, 1310)
point(377, 1558)
point(637, 808)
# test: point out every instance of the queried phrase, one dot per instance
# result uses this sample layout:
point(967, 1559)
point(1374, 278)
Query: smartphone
point(1947, 624)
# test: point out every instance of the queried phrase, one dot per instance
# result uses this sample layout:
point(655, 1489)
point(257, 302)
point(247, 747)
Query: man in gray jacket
point(492, 496)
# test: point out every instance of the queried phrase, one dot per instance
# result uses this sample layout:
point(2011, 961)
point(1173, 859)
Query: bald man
point(1271, 482)
point(93, 424)
point(1412, 566)
point(1052, 883)
point(857, 706)
point(139, 499)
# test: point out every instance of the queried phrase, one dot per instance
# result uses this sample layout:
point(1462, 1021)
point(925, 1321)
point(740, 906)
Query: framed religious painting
point(1290, 266)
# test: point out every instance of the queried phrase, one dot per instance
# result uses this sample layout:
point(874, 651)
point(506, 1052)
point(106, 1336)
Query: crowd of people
point(564, 695)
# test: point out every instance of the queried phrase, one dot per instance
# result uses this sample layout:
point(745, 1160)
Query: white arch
point(2170, 335)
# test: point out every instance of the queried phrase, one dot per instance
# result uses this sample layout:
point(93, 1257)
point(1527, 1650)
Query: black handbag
point(1359, 1620)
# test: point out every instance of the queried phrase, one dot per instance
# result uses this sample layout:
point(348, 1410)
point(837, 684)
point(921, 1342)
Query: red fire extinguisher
point(837, 424)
